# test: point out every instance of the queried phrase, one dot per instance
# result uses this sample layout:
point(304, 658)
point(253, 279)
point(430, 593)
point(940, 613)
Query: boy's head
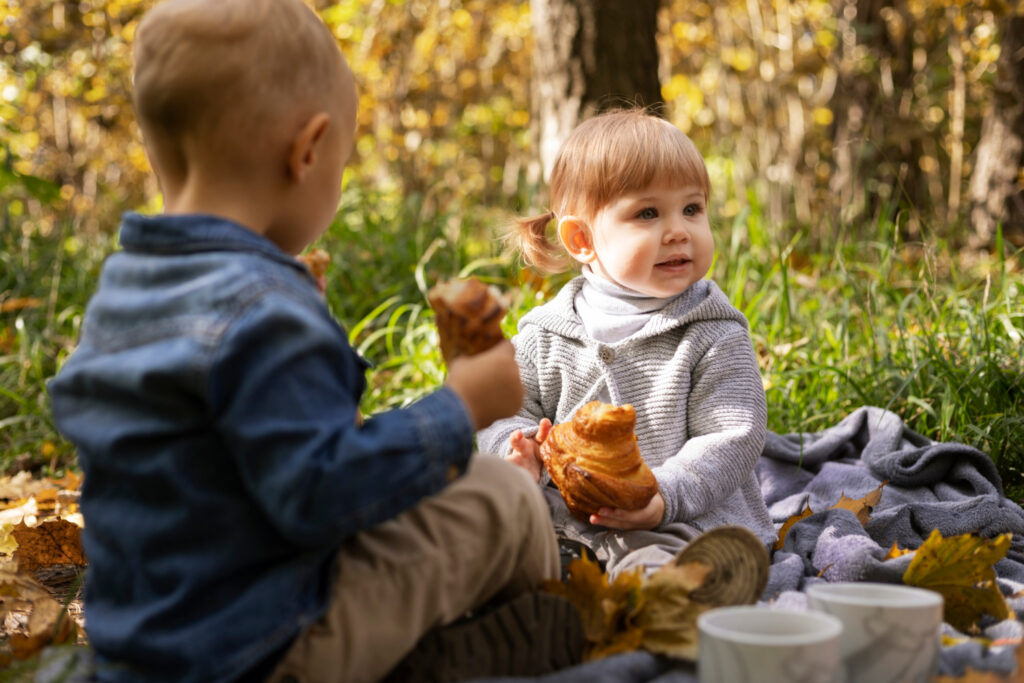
point(255, 91)
point(618, 152)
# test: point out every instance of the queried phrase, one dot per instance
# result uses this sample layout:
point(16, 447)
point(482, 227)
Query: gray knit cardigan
point(692, 377)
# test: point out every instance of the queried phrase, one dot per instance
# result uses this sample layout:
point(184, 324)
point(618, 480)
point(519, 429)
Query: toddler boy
point(239, 523)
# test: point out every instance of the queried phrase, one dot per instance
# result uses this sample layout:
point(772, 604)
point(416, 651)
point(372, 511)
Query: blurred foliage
point(833, 130)
point(819, 106)
point(831, 108)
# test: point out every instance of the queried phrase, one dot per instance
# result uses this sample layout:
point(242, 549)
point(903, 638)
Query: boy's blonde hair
point(605, 157)
point(230, 72)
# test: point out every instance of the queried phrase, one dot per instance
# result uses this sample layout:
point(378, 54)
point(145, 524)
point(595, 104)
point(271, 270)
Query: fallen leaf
point(21, 486)
point(71, 481)
point(788, 524)
point(974, 676)
point(896, 551)
point(7, 543)
point(19, 303)
point(54, 542)
point(961, 569)
point(23, 511)
point(604, 606)
point(46, 501)
point(863, 506)
point(669, 619)
point(631, 612)
point(48, 622)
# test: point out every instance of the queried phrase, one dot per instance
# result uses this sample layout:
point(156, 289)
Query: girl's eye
point(648, 214)
point(692, 209)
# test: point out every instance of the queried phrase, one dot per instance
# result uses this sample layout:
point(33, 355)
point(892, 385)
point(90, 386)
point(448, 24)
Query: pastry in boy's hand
point(317, 260)
point(468, 314)
point(595, 462)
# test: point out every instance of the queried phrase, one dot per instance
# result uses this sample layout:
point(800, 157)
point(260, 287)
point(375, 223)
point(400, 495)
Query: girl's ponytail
point(530, 236)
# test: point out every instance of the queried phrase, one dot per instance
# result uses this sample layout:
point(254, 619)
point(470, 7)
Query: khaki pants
point(488, 535)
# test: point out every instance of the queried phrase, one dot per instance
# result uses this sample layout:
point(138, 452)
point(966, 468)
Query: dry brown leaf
point(961, 569)
point(605, 607)
point(631, 612)
point(48, 622)
point(788, 524)
point(863, 506)
point(53, 542)
point(668, 621)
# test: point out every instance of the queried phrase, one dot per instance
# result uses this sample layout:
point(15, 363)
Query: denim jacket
point(213, 401)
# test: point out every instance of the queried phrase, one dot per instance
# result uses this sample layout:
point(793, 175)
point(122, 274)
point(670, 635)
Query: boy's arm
point(285, 390)
point(494, 440)
point(727, 417)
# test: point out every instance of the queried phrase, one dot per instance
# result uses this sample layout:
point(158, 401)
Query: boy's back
point(187, 499)
point(235, 509)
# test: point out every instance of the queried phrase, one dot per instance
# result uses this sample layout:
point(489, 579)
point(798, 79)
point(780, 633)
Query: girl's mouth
point(674, 262)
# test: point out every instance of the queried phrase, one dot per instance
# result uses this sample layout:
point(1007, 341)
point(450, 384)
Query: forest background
point(865, 155)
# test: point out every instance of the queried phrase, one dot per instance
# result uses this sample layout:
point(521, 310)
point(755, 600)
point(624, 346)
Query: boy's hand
point(526, 451)
point(645, 518)
point(488, 383)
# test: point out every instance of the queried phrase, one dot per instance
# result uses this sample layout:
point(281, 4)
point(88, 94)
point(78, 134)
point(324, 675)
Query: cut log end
point(739, 566)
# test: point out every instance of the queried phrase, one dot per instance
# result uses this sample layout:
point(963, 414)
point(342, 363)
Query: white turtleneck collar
point(611, 312)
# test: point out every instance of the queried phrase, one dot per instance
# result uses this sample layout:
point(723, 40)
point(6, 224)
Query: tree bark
point(588, 57)
point(873, 129)
point(997, 182)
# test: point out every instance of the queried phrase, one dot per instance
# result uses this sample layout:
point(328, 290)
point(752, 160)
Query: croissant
point(468, 315)
point(317, 261)
point(595, 462)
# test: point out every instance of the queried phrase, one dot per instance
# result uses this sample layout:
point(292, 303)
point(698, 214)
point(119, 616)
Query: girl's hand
point(526, 452)
point(645, 518)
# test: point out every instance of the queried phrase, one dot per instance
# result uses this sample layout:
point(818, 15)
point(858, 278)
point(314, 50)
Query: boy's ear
point(575, 236)
point(306, 145)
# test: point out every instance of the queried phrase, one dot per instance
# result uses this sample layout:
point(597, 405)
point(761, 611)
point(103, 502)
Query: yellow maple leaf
point(961, 569)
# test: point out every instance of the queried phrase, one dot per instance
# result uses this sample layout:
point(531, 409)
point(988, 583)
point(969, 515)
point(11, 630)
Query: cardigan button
point(606, 354)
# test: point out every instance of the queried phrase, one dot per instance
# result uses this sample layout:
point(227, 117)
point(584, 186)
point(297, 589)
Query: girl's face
point(656, 241)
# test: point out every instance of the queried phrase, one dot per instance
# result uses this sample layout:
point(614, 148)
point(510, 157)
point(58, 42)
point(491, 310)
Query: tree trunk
point(588, 57)
point(997, 183)
point(873, 129)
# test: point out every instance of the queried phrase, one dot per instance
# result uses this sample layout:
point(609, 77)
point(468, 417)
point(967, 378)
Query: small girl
point(641, 325)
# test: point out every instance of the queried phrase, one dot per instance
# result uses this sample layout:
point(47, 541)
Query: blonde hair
point(605, 157)
point(230, 71)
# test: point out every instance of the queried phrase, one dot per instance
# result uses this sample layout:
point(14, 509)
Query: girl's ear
point(306, 145)
point(575, 237)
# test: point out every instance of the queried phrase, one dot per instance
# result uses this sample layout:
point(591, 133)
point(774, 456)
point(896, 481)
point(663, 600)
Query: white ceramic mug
point(751, 644)
point(890, 631)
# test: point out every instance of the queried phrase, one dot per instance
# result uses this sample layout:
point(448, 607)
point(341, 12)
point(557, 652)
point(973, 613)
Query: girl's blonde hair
point(605, 157)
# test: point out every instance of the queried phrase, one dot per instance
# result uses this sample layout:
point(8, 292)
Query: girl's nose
point(676, 230)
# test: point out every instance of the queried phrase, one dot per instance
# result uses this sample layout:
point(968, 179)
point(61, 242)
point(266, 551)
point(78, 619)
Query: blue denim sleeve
point(286, 387)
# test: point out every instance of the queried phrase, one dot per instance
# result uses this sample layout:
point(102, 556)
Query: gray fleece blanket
point(931, 485)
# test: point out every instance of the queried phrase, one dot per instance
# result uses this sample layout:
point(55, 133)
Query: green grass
point(934, 336)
